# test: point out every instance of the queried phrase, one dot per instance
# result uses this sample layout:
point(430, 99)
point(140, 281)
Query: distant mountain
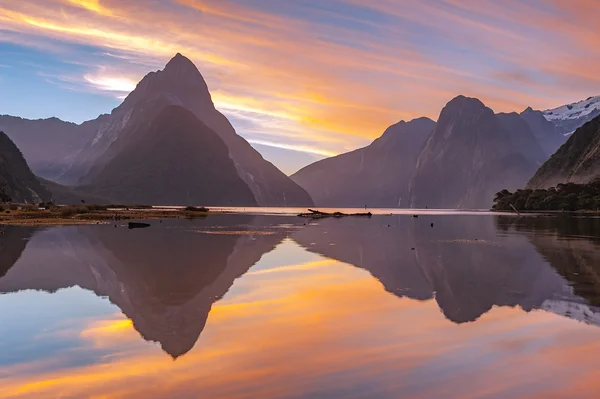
point(171, 159)
point(48, 145)
point(568, 118)
point(181, 84)
point(523, 137)
point(578, 160)
point(467, 159)
point(65, 195)
point(20, 183)
point(376, 175)
point(549, 137)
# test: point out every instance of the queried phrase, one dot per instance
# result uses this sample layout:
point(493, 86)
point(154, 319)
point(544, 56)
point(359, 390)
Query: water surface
point(275, 306)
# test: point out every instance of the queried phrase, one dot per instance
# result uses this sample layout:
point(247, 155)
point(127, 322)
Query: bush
point(71, 210)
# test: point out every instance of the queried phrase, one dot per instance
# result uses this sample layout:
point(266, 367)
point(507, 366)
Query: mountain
point(523, 137)
point(179, 83)
point(547, 134)
point(172, 159)
point(578, 160)
point(48, 145)
point(21, 183)
point(467, 159)
point(376, 175)
point(568, 118)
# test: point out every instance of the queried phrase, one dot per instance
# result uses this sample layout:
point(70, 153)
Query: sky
point(301, 79)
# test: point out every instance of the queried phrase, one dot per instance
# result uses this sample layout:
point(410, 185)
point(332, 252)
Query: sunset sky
point(301, 79)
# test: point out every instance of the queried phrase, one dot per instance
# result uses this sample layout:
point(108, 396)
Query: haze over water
point(276, 306)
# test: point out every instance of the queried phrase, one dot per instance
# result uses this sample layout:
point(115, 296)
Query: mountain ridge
point(467, 158)
point(375, 175)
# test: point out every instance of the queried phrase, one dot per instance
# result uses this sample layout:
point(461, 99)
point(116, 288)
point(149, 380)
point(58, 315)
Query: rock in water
point(137, 225)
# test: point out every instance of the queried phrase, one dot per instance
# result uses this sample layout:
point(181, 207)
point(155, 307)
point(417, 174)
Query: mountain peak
point(461, 100)
point(180, 64)
point(526, 110)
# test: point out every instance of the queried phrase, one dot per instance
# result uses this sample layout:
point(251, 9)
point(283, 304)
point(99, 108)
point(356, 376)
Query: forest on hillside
point(565, 196)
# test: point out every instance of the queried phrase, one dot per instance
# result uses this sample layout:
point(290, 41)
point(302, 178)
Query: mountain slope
point(522, 137)
point(48, 145)
point(467, 159)
point(376, 175)
point(180, 83)
point(547, 134)
point(21, 183)
point(173, 159)
point(578, 160)
point(568, 118)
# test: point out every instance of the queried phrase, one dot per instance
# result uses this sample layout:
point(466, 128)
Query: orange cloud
point(339, 75)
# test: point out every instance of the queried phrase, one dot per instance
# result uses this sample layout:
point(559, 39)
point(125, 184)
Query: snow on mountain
point(570, 117)
point(574, 111)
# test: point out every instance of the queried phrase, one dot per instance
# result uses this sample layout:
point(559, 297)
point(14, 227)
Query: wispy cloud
point(345, 72)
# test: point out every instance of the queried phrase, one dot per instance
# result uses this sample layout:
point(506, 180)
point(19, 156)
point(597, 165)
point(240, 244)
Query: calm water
point(238, 306)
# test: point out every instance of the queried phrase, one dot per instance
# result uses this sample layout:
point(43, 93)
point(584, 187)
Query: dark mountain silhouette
point(547, 134)
point(522, 137)
point(467, 159)
point(171, 159)
point(376, 175)
point(48, 145)
point(164, 278)
point(15, 176)
point(181, 84)
point(465, 276)
point(578, 160)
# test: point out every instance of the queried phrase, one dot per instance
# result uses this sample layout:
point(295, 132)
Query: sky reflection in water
point(236, 306)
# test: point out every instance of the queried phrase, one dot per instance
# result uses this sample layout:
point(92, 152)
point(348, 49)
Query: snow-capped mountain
point(570, 117)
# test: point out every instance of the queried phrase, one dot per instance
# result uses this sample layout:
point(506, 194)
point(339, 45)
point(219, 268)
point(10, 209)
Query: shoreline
point(85, 216)
point(29, 215)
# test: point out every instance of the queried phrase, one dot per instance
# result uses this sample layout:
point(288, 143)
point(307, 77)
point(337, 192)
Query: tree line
point(565, 196)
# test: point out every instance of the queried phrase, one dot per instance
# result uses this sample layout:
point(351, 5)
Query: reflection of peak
point(165, 279)
point(573, 310)
point(469, 277)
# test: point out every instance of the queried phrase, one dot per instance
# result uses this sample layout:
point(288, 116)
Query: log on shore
point(316, 214)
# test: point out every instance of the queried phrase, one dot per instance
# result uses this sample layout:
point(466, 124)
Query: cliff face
point(467, 159)
point(546, 133)
point(171, 159)
point(376, 175)
point(578, 160)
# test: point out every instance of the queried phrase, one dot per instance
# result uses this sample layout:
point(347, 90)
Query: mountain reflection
point(571, 245)
point(166, 278)
point(467, 263)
